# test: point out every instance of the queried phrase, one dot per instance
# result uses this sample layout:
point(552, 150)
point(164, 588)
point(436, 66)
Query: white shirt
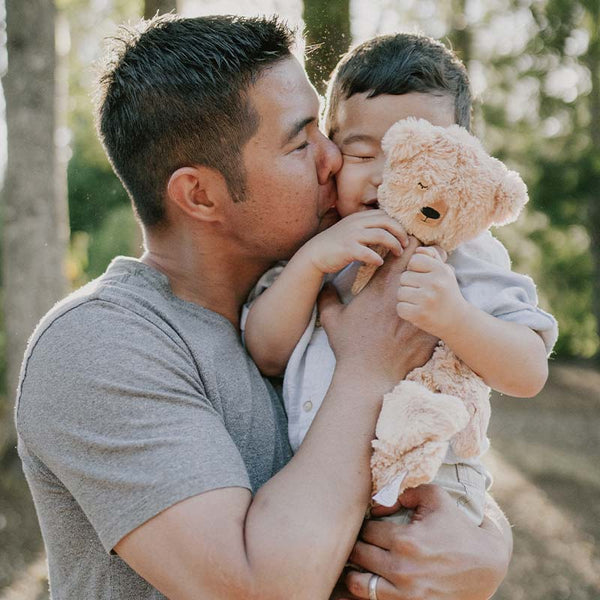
point(482, 268)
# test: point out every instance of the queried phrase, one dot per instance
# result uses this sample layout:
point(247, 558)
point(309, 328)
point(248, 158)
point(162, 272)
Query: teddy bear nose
point(430, 213)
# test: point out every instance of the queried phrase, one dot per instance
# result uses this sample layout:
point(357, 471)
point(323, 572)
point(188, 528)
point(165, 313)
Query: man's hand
point(440, 555)
point(367, 336)
point(429, 296)
point(350, 239)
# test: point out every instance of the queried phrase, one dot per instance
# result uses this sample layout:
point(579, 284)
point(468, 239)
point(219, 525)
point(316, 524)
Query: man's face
point(290, 164)
point(360, 124)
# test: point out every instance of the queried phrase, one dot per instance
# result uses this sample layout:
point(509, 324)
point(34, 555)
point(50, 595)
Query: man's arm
point(440, 555)
point(292, 539)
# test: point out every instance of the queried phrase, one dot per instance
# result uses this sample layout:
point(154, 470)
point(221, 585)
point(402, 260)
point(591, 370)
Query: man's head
point(383, 80)
point(175, 94)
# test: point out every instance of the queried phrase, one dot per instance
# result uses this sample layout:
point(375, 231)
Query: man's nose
point(329, 160)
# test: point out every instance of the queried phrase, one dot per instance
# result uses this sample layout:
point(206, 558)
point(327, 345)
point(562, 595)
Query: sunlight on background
point(3, 64)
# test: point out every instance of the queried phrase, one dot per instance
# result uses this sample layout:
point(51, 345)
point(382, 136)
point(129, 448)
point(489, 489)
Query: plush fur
point(442, 186)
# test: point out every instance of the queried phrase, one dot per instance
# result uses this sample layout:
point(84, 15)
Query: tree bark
point(593, 64)
point(460, 34)
point(35, 224)
point(328, 29)
point(151, 7)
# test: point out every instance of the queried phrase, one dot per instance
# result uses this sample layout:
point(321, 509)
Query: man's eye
point(302, 146)
point(423, 187)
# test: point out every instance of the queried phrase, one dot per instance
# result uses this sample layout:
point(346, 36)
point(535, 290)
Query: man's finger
point(368, 556)
point(380, 533)
point(358, 585)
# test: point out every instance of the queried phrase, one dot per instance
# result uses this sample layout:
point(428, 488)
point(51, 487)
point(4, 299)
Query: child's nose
point(376, 175)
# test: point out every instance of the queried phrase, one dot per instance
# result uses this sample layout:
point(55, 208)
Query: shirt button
point(307, 406)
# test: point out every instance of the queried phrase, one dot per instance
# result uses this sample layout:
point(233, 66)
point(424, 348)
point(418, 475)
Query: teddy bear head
point(442, 186)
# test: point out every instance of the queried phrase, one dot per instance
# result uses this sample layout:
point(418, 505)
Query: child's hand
point(429, 296)
point(349, 240)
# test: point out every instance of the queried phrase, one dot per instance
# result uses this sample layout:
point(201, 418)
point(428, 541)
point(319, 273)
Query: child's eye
point(423, 187)
point(302, 146)
point(357, 158)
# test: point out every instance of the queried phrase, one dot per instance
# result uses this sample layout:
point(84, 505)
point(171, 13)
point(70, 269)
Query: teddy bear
point(444, 189)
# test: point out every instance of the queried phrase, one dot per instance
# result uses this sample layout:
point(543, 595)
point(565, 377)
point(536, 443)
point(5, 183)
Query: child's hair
point(399, 64)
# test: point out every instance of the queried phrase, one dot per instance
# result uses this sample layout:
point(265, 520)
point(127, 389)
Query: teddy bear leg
point(470, 441)
point(413, 431)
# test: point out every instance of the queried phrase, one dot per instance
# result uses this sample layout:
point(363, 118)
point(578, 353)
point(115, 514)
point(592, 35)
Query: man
point(156, 453)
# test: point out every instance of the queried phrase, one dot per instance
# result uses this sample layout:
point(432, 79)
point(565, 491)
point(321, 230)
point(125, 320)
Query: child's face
point(360, 124)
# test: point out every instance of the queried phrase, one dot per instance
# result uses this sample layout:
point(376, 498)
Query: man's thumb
point(328, 304)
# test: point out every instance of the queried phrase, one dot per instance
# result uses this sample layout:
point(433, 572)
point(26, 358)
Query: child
point(474, 303)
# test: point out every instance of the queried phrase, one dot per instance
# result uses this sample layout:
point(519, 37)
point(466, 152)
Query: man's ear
point(199, 192)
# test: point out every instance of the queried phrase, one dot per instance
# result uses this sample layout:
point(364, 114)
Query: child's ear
point(407, 138)
point(509, 199)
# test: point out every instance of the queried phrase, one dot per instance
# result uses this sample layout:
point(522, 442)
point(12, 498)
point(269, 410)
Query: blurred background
point(535, 70)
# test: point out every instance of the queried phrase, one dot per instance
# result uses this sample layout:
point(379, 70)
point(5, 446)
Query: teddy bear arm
point(365, 272)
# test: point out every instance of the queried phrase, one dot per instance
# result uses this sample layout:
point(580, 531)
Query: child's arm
point(279, 316)
point(510, 357)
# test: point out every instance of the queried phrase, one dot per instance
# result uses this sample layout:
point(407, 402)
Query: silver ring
point(373, 587)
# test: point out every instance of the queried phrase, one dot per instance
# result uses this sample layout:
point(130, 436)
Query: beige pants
point(465, 484)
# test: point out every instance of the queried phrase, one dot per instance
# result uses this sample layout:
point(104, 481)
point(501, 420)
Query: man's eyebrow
point(297, 127)
point(358, 137)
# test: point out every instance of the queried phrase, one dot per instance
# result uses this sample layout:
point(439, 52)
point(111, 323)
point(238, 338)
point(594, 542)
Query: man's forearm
point(309, 515)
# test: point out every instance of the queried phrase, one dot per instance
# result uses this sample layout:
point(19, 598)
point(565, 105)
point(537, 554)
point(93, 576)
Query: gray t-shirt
point(130, 401)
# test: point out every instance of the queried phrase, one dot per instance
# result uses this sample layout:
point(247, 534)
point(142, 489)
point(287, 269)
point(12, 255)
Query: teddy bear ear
point(407, 138)
point(510, 198)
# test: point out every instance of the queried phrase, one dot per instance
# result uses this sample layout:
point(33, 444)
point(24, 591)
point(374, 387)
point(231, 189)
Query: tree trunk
point(328, 28)
point(593, 64)
point(35, 229)
point(460, 34)
point(151, 7)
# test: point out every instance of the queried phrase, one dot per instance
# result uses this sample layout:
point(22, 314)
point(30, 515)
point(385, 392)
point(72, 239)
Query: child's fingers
point(372, 237)
point(379, 218)
point(411, 279)
point(424, 262)
point(410, 295)
point(407, 311)
point(366, 255)
point(433, 251)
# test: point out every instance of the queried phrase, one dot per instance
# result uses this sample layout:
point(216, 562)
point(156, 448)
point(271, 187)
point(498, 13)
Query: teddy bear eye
point(423, 187)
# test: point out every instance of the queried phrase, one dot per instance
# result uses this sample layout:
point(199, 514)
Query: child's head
point(383, 80)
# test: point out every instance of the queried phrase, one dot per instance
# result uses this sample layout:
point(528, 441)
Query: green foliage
point(539, 130)
point(118, 235)
point(94, 192)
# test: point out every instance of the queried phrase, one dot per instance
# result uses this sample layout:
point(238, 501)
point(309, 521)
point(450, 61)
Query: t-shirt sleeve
point(482, 268)
point(114, 406)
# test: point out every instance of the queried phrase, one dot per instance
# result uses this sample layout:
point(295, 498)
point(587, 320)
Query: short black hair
point(399, 64)
point(174, 93)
